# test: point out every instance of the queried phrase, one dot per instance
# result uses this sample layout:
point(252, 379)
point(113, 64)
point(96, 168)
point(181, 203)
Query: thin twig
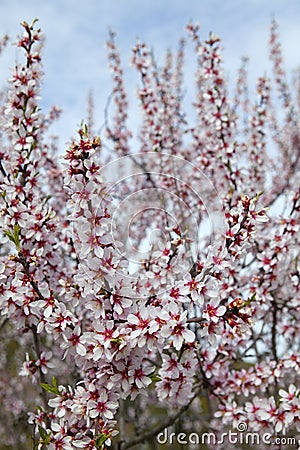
point(165, 424)
point(42, 377)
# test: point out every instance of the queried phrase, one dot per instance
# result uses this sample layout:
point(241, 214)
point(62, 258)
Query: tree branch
point(42, 377)
point(165, 424)
point(274, 323)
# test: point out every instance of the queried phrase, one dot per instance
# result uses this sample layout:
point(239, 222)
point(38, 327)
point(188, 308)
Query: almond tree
point(151, 284)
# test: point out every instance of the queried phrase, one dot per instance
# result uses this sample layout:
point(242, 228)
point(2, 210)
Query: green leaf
point(45, 438)
point(155, 378)
point(42, 432)
point(116, 341)
point(101, 439)
point(53, 389)
point(9, 235)
point(259, 194)
point(54, 382)
point(50, 388)
point(249, 300)
point(85, 130)
point(15, 236)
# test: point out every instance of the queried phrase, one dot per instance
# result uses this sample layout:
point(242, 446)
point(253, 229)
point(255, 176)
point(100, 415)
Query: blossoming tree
point(154, 284)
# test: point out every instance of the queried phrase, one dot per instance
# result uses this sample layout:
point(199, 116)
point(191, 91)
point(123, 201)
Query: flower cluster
point(205, 324)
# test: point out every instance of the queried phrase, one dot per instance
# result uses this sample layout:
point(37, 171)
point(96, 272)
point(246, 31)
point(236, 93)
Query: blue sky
point(76, 31)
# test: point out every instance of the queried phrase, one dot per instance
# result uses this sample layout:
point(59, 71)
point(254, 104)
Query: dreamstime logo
point(240, 436)
point(154, 197)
